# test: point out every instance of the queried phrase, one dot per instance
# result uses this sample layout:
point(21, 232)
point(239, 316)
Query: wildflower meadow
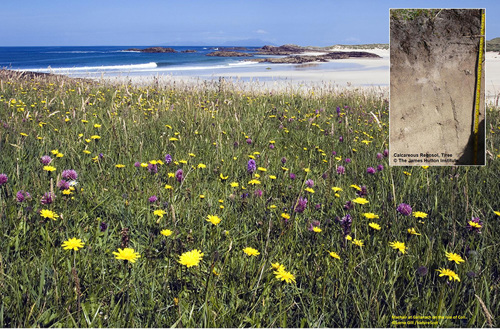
point(215, 206)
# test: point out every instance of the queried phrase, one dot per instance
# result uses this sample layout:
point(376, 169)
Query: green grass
point(41, 284)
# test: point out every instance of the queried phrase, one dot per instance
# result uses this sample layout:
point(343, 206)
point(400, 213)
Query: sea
point(109, 61)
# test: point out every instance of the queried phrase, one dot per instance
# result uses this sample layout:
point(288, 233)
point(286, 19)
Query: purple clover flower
point(404, 209)
point(258, 193)
point(47, 198)
point(63, 185)
point(347, 160)
point(386, 153)
point(292, 176)
point(271, 146)
point(340, 170)
point(152, 168)
point(103, 226)
point(363, 191)
point(249, 141)
point(379, 156)
point(69, 174)
point(301, 205)
point(3, 179)
point(22, 196)
point(251, 166)
point(341, 139)
point(168, 158)
point(153, 199)
point(380, 167)
point(309, 183)
point(179, 175)
point(370, 170)
point(283, 160)
point(45, 160)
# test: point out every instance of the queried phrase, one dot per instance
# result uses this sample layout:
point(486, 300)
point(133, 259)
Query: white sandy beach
point(367, 73)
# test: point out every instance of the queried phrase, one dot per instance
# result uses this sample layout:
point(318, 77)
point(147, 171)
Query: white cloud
point(261, 31)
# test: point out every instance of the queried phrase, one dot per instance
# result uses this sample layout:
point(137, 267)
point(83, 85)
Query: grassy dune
point(321, 146)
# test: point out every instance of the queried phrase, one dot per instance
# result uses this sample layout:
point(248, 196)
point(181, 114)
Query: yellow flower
point(413, 232)
point(406, 173)
point(261, 169)
point(97, 126)
point(307, 170)
point(348, 237)
point(374, 226)
point(283, 275)
point(355, 187)
point(254, 182)
point(173, 139)
point(95, 137)
point(251, 251)
point(272, 177)
point(308, 189)
point(171, 174)
point(234, 184)
point(316, 229)
point(285, 216)
point(191, 258)
point(398, 245)
point(127, 254)
point(59, 155)
point(277, 266)
point(168, 187)
point(159, 212)
point(454, 257)
point(370, 215)
point(497, 213)
point(213, 219)
point(66, 192)
point(202, 196)
point(24, 134)
point(425, 167)
point(86, 151)
point(222, 177)
point(334, 254)
point(73, 244)
point(201, 166)
point(449, 273)
point(358, 242)
point(419, 214)
point(166, 232)
point(54, 152)
point(45, 213)
point(337, 189)
point(360, 201)
point(120, 165)
point(49, 168)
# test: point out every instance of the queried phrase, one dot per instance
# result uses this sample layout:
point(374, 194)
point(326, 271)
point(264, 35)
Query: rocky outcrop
point(228, 54)
point(154, 50)
point(301, 59)
point(281, 50)
point(189, 51)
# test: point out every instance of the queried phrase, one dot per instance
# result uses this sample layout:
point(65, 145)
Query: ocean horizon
point(110, 61)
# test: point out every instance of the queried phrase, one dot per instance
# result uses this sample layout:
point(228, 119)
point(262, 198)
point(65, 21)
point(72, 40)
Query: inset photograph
point(437, 115)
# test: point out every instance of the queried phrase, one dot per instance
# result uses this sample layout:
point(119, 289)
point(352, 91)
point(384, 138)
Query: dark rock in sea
point(281, 50)
point(232, 48)
point(154, 50)
point(189, 51)
point(229, 54)
point(300, 59)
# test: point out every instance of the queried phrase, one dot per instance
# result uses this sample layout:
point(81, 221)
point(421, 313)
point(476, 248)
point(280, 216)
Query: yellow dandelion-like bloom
point(159, 212)
point(257, 175)
point(126, 254)
point(24, 134)
point(370, 215)
point(262, 169)
point(120, 165)
point(222, 177)
point(66, 192)
point(213, 219)
point(202, 196)
point(413, 232)
point(234, 184)
point(307, 169)
point(54, 152)
point(97, 125)
point(201, 166)
point(398, 245)
point(337, 195)
point(192, 155)
point(277, 266)
point(358, 243)
point(374, 226)
point(338, 158)
point(316, 229)
point(454, 257)
point(283, 275)
point(173, 139)
point(59, 155)
point(419, 214)
point(497, 213)
point(251, 251)
point(272, 177)
point(285, 216)
point(86, 151)
point(449, 273)
point(73, 244)
point(168, 187)
point(337, 189)
point(308, 189)
point(360, 201)
point(254, 182)
point(191, 258)
point(45, 213)
point(354, 186)
point(348, 237)
point(425, 167)
point(474, 224)
point(406, 173)
point(166, 232)
point(334, 254)
point(95, 137)
point(49, 168)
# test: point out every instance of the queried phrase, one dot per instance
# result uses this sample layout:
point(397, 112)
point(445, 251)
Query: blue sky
point(210, 22)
